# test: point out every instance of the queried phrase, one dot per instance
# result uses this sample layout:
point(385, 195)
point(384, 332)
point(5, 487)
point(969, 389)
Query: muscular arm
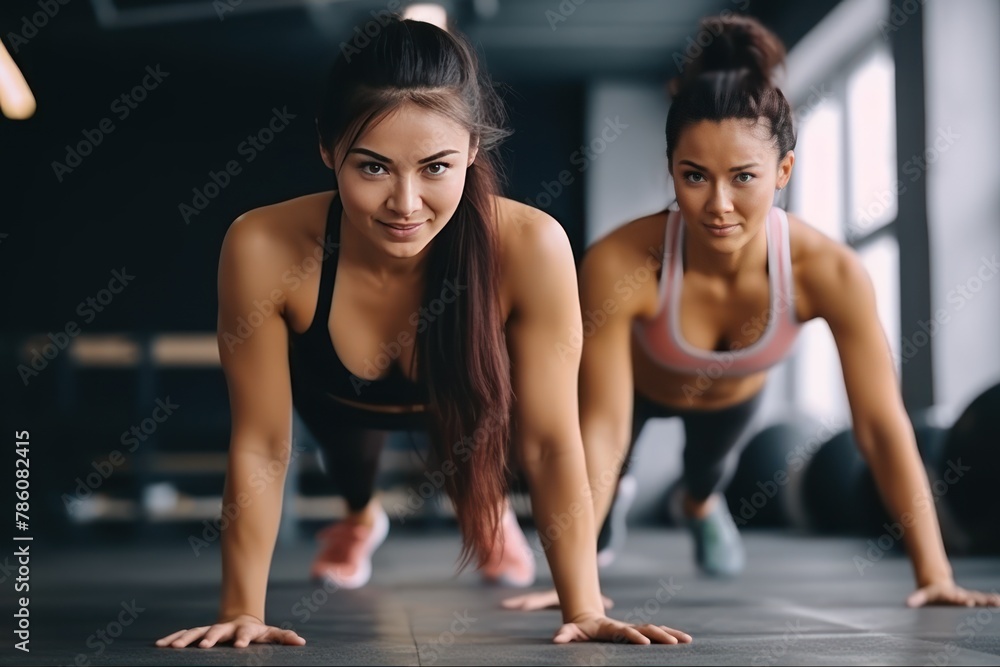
point(257, 374)
point(543, 336)
point(606, 383)
point(843, 295)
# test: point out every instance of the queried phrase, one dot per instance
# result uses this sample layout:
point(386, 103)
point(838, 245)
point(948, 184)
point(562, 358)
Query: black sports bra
point(317, 371)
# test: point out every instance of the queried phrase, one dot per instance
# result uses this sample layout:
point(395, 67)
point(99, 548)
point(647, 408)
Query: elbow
point(260, 465)
point(874, 437)
point(537, 455)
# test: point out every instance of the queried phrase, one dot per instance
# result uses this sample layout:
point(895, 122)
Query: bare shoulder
point(826, 271)
point(275, 235)
point(537, 266)
point(628, 245)
point(526, 230)
point(623, 265)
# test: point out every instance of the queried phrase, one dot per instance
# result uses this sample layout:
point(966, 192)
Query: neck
point(382, 269)
point(750, 259)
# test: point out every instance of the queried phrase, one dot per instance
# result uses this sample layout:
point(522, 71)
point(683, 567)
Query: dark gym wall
point(120, 206)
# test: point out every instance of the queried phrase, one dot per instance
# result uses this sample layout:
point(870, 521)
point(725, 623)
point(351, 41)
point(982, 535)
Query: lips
point(401, 230)
point(401, 226)
point(721, 230)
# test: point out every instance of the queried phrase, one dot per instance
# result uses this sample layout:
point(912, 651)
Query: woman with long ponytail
point(422, 300)
point(737, 278)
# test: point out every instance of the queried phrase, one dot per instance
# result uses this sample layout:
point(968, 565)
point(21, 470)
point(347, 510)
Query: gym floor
point(802, 600)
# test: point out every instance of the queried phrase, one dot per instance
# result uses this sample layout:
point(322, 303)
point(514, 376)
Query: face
point(403, 178)
point(725, 174)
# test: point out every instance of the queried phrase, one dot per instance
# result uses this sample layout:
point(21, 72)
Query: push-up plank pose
point(470, 292)
point(738, 277)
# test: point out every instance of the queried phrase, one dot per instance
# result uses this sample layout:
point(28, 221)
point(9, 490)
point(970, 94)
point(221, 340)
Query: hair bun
point(735, 42)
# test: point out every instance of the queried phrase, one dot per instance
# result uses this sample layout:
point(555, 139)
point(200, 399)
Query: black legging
point(351, 441)
point(712, 445)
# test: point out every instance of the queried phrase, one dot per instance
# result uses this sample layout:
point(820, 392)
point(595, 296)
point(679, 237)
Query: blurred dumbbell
point(967, 472)
point(761, 492)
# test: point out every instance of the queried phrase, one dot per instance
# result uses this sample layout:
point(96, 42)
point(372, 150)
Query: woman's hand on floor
point(241, 630)
point(604, 629)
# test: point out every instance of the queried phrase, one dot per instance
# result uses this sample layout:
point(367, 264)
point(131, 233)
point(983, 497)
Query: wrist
point(229, 617)
point(931, 577)
point(585, 614)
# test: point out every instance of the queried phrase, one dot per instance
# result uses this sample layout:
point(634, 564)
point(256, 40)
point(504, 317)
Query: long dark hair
point(732, 78)
point(461, 354)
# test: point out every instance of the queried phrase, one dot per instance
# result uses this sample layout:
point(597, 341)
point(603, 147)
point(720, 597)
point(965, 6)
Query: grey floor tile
point(800, 601)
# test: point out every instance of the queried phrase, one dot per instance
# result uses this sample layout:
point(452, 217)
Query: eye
point(750, 177)
point(693, 177)
point(372, 169)
point(438, 168)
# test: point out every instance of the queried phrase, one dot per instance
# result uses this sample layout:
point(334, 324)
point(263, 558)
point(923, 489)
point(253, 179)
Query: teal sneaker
point(718, 546)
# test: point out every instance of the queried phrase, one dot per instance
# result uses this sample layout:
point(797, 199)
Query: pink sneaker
point(513, 564)
point(346, 548)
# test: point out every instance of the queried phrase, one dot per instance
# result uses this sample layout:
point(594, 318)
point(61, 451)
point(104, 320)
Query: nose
point(404, 200)
point(720, 201)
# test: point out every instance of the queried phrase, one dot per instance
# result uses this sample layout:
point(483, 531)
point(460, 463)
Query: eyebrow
point(382, 158)
point(701, 168)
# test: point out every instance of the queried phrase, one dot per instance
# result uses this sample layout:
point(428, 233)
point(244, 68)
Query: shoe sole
point(363, 575)
point(506, 580)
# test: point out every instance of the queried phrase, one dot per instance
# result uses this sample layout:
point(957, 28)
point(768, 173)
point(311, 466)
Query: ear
point(324, 153)
point(327, 158)
point(473, 152)
point(785, 170)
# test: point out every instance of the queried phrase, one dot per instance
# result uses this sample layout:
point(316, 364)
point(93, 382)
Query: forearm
point(904, 488)
point(564, 517)
point(253, 498)
point(604, 451)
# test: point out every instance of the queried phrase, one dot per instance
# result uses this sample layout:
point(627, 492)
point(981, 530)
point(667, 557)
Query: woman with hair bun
point(737, 278)
point(434, 304)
